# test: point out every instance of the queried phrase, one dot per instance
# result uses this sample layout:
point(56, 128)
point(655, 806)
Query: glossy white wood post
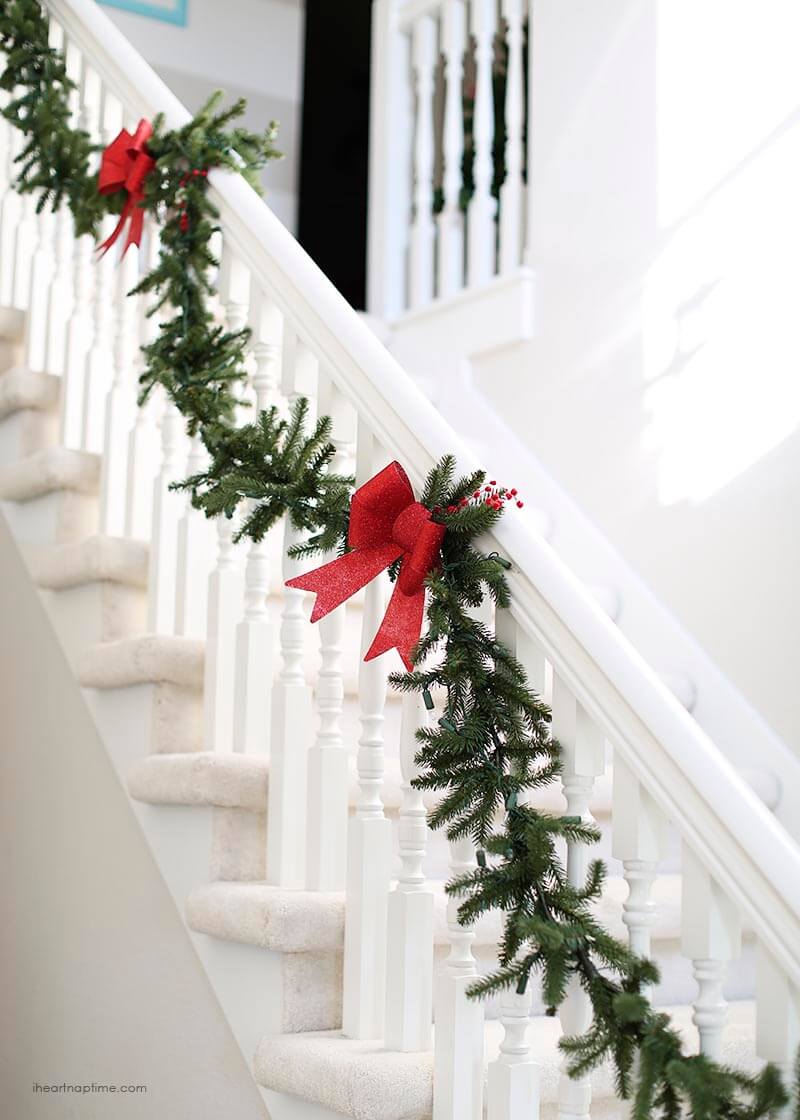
point(80, 328)
point(167, 508)
point(513, 1077)
point(121, 400)
point(584, 760)
point(226, 581)
point(100, 359)
point(777, 1016)
point(195, 554)
point(369, 836)
point(423, 231)
point(255, 634)
point(710, 937)
point(639, 838)
point(326, 850)
point(291, 726)
point(458, 1054)
point(450, 220)
point(511, 192)
point(144, 438)
point(409, 959)
point(390, 162)
point(480, 216)
point(10, 210)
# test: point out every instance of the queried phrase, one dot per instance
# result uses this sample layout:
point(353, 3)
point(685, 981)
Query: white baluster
point(451, 219)
point(167, 507)
point(195, 554)
point(584, 760)
point(143, 441)
point(226, 581)
point(513, 1077)
point(390, 163)
point(100, 358)
point(255, 634)
point(710, 936)
point(80, 328)
point(528, 207)
point(369, 835)
point(480, 216)
point(10, 213)
point(409, 960)
point(61, 289)
point(511, 192)
point(328, 785)
point(120, 401)
point(777, 1016)
point(422, 227)
point(24, 251)
point(639, 838)
point(458, 1057)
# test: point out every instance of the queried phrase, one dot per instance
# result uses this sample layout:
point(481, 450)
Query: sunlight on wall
point(721, 304)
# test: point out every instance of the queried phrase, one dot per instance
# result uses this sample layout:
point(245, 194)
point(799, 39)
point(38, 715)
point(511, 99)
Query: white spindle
point(100, 358)
point(528, 208)
point(777, 1015)
point(710, 938)
point(513, 1077)
point(480, 216)
point(226, 581)
point(143, 441)
point(61, 290)
point(422, 226)
point(451, 219)
point(167, 507)
point(458, 1057)
point(584, 760)
point(328, 786)
point(639, 837)
point(24, 251)
point(255, 635)
point(409, 960)
point(10, 210)
point(511, 192)
point(42, 271)
point(195, 553)
point(80, 328)
point(369, 835)
point(121, 400)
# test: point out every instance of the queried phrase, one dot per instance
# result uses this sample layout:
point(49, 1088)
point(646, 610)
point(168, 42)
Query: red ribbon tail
point(401, 626)
point(109, 241)
point(336, 581)
point(137, 224)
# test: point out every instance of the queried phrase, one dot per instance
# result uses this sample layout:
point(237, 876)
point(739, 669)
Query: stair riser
point(55, 518)
point(96, 612)
point(26, 432)
point(143, 719)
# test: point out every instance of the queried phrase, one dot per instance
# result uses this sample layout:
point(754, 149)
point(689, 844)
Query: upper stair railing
point(739, 864)
point(449, 151)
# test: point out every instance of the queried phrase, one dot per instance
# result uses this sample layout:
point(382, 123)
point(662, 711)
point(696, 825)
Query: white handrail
point(743, 846)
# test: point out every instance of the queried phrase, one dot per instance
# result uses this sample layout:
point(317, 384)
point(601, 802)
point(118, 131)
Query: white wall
point(250, 48)
point(662, 388)
point(99, 981)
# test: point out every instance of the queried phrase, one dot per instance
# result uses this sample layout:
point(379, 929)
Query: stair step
point(363, 1081)
point(246, 912)
point(96, 559)
point(21, 388)
point(12, 324)
point(147, 659)
point(49, 471)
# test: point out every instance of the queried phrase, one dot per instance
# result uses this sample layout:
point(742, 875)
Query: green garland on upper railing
point(493, 743)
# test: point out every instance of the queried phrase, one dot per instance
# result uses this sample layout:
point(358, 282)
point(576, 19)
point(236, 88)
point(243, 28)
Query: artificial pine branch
point(491, 745)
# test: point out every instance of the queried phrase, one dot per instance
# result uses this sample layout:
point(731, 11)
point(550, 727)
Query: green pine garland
point(492, 744)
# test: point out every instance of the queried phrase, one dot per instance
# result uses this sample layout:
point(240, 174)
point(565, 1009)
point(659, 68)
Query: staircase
point(269, 767)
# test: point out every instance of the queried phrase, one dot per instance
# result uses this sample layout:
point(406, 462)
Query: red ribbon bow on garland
point(386, 523)
point(125, 165)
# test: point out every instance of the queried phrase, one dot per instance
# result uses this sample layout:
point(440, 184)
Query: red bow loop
point(386, 524)
point(125, 164)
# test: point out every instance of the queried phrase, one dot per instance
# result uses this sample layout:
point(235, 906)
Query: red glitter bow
point(386, 523)
point(125, 165)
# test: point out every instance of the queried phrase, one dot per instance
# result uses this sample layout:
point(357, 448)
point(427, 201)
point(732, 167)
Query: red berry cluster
point(491, 495)
point(180, 196)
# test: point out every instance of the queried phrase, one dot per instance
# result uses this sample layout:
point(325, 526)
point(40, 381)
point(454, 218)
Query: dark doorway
point(335, 131)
